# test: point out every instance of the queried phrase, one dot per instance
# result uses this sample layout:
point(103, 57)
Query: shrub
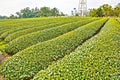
point(35, 29)
point(25, 24)
point(28, 62)
point(97, 59)
point(40, 36)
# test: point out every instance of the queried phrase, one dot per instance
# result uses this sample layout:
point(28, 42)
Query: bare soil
point(1, 78)
point(3, 58)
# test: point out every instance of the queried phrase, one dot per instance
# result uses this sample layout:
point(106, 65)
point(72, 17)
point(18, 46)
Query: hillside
point(61, 48)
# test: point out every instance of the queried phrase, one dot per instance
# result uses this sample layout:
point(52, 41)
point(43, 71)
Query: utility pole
point(82, 7)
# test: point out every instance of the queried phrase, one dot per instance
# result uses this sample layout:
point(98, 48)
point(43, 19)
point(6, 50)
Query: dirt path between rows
point(2, 59)
point(1, 78)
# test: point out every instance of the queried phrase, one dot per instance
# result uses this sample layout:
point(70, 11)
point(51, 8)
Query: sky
point(8, 7)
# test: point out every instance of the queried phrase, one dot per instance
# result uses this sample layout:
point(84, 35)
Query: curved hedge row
point(40, 36)
point(118, 19)
point(2, 31)
point(15, 29)
point(30, 61)
point(30, 24)
point(35, 29)
point(19, 23)
point(96, 59)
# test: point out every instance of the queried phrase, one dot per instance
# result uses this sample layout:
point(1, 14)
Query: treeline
point(35, 12)
point(105, 11)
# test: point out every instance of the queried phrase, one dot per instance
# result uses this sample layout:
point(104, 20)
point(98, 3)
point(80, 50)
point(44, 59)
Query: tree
point(62, 14)
point(93, 13)
point(5, 17)
point(26, 12)
point(1, 17)
point(118, 5)
point(45, 11)
point(54, 12)
point(36, 12)
point(13, 16)
point(117, 11)
point(99, 12)
point(107, 10)
point(19, 14)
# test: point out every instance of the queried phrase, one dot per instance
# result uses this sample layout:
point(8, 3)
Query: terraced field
point(68, 48)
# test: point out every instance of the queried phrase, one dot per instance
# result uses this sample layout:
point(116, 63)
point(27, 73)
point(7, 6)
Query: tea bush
point(27, 23)
point(97, 59)
point(40, 36)
point(35, 29)
point(27, 63)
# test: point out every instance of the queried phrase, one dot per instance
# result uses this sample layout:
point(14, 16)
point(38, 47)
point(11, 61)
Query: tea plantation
point(66, 48)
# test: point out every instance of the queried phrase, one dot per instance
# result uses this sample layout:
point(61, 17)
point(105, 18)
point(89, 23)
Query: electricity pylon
point(82, 7)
